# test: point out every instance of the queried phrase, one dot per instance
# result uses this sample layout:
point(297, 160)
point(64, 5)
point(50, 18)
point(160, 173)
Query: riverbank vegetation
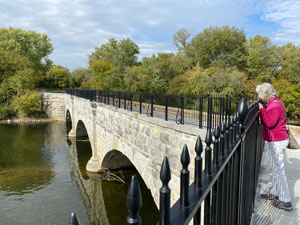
point(24, 67)
point(218, 60)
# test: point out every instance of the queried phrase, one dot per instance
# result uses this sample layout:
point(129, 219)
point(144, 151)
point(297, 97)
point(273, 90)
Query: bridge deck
point(264, 212)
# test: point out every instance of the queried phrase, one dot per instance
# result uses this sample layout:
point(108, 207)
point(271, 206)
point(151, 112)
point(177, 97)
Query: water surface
point(43, 179)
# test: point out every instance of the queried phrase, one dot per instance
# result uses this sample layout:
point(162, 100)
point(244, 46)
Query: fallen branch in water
point(106, 174)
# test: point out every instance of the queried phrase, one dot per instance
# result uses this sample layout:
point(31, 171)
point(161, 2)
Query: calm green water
point(43, 180)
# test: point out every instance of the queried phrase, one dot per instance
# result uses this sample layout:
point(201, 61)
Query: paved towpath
point(264, 212)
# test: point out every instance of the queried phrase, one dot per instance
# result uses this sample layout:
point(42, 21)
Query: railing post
point(124, 100)
point(207, 201)
point(222, 140)
point(216, 188)
point(182, 108)
point(113, 96)
point(141, 103)
point(230, 133)
point(119, 105)
point(226, 107)
point(227, 138)
point(200, 111)
point(216, 146)
point(234, 128)
point(229, 106)
point(165, 194)
point(237, 127)
point(151, 113)
point(208, 140)
point(73, 219)
point(131, 102)
point(242, 113)
point(198, 175)
point(107, 97)
point(198, 163)
point(209, 111)
point(184, 178)
point(166, 107)
point(134, 202)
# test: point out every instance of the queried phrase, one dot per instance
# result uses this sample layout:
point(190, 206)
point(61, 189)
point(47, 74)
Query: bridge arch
point(115, 132)
point(68, 121)
point(115, 159)
point(81, 130)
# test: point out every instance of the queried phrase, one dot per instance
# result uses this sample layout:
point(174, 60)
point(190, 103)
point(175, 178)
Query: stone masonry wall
point(54, 105)
point(144, 140)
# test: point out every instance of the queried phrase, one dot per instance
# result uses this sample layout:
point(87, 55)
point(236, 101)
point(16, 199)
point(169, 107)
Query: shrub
point(6, 111)
point(28, 104)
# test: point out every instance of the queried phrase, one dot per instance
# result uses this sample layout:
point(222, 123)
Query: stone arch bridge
point(120, 138)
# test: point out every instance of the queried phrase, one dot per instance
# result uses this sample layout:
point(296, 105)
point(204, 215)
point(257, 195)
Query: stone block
point(164, 138)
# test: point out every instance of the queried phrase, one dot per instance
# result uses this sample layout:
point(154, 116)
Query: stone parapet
point(54, 105)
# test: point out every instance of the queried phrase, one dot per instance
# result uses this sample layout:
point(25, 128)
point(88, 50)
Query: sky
point(76, 27)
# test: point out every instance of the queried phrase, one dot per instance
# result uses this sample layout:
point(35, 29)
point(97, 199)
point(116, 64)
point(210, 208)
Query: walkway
point(264, 212)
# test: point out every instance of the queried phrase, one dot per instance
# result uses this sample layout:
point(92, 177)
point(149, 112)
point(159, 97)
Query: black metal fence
point(203, 111)
point(226, 187)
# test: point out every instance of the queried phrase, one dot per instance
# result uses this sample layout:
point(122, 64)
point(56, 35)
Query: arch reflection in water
point(105, 200)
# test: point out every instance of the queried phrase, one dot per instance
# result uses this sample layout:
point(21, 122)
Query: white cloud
point(287, 15)
point(77, 27)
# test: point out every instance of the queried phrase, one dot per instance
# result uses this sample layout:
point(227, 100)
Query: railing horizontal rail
point(226, 186)
point(188, 109)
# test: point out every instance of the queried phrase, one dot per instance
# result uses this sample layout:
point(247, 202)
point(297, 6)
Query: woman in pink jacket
point(276, 141)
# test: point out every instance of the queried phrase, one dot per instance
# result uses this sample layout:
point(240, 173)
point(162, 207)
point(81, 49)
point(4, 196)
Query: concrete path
point(264, 212)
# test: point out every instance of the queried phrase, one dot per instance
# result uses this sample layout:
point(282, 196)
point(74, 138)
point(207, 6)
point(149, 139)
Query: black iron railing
point(225, 188)
point(203, 111)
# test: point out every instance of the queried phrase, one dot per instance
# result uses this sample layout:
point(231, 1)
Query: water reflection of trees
point(25, 163)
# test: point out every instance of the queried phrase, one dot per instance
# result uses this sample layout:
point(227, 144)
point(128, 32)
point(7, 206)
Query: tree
point(16, 74)
point(100, 69)
point(180, 40)
point(78, 76)
point(167, 65)
point(58, 77)
point(216, 80)
point(35, 46)
point(219, 44)
point(119, 53)
point(27, 104)
point(140, 79)
point(290, 95)
point(263, 59)
point(290, 64)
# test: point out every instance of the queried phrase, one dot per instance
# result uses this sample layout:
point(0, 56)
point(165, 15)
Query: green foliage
point(78, 76)
point(180, 40)
point(166, 65)
point(27, 104)
point(58, 77)
point(97, 78)
point(219, 44)
point(290, 95)
point(290, 63)
point(199, 81)
point(6, 111)
point(140, 79)
point(35, 46)
point(263, 59)
point(23, 64)
point(119, 53)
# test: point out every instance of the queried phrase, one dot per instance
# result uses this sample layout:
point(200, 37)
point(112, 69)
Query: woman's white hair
point(266, 91)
